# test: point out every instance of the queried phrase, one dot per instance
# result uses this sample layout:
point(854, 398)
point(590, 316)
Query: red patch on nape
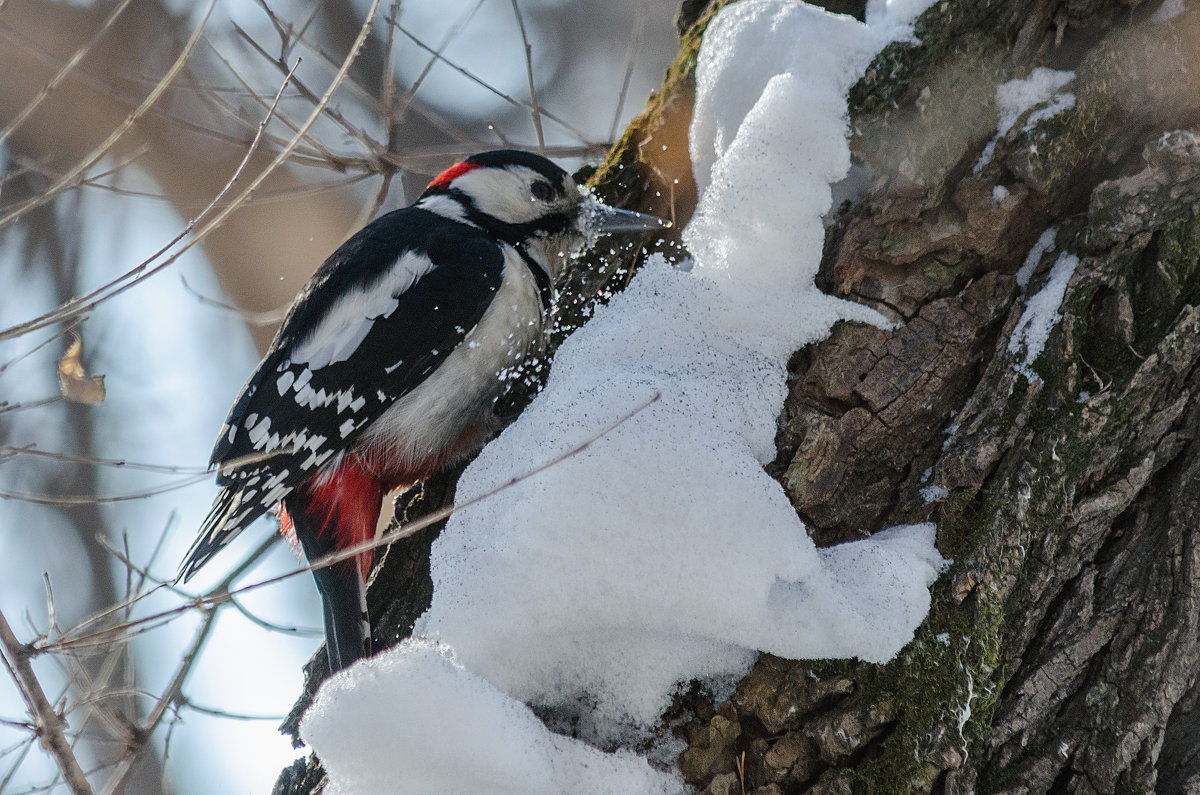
point(451, 174)
point(346, 504)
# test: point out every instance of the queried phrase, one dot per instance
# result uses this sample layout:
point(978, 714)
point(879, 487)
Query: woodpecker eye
point(542, 191)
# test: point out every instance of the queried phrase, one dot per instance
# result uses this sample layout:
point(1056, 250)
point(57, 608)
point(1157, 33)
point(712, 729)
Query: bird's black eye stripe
point(542, 191)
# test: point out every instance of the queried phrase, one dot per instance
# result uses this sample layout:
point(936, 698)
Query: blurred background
point(171, 172)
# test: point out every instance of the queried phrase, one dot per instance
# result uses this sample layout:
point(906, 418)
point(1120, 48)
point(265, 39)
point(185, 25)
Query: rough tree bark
point(1061, 651)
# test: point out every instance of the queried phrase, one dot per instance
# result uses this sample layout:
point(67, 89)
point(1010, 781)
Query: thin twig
point(361, 135)
point(173, 691)
point(50, 725)
point(25, 747)
point(14, 39)
point(271, 625)
point(635, 45)
point(404, 531)
point(360, 165)
point(536, 111)
point(91, 499)
point(221, 713)
point(118, 463)
point(457, 28)
point(66, 69)
point(96, 499)
point(270, 317)
point(318, 150)
point(6, 407)
point(48, 341)
point(94, 156)
point(467, 73)
point(143, 270)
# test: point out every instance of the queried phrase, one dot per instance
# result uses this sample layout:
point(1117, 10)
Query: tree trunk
point(1061, 649)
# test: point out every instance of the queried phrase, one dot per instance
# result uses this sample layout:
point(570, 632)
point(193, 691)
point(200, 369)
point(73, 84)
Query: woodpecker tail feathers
point(229, 515)
point(327, 515)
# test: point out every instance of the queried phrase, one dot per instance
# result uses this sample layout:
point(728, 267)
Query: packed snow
point(1045, 242)
point(893, 19)
point(1041, 315)
point(424, 698)
point(1040, 91)
point(662, 552)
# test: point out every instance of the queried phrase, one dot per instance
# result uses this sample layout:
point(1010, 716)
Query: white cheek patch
point(349, 320)
point(503, 193)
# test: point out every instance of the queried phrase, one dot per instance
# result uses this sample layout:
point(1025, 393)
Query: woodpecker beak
point(600, 219)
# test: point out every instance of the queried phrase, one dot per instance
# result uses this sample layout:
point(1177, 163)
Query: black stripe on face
point(515, 234)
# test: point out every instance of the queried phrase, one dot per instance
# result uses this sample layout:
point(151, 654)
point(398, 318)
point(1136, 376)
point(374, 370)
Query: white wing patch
point(349, 320)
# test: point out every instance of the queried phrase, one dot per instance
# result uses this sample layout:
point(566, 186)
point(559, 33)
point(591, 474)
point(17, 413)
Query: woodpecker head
point(529, 202)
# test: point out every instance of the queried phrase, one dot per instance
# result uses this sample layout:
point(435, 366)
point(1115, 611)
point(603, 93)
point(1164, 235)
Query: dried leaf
point(73, 381)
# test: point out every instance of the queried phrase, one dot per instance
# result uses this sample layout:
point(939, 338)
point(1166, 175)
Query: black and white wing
point(374, 321)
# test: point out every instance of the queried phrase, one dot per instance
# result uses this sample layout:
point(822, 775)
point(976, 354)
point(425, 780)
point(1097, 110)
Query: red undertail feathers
point(344, 504)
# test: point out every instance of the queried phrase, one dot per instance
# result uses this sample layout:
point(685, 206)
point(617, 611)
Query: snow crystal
point(661, 551)
point(1044, 243)
point(1041, 316)
point(999, 194)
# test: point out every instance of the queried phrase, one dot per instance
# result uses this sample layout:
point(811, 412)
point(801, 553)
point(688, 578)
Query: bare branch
point(218, 596)
point(50, 725)
point(270, 317)
point(70, 178)
point(173, 691)
point(66, 69)
point(140, 273)
point(411, 94)
point(533, 100)
point(137, 274)
point(6, 407)
point(222, 713)
point(635, 45)
point(467, 73)
point(272, 626)
point(118, 463)
point(96, 499)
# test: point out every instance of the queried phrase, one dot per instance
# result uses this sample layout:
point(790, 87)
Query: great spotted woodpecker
point(388, 365)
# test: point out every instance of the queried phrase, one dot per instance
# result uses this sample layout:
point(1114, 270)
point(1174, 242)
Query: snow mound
point(661, 552)
point(491, 743)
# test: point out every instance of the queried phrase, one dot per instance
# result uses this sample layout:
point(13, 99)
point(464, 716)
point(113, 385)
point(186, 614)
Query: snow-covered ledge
point(663, 552)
